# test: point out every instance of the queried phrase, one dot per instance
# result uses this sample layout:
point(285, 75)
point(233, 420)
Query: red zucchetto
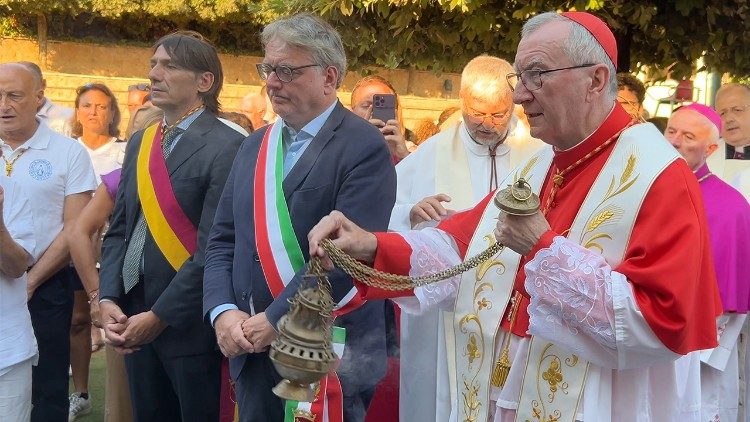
point(598, 29)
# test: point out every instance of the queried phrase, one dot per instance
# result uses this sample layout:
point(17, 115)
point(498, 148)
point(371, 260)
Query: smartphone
point(384, 107)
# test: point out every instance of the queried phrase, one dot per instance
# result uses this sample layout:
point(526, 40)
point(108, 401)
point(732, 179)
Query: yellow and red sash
point(172, 230)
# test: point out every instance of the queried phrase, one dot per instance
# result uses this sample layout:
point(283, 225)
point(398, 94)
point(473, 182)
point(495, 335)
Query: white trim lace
point(571, 289)
point(432, 250)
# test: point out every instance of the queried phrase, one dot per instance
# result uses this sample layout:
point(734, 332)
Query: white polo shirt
point(50, 167)
point(107, 157)
point(17, 342)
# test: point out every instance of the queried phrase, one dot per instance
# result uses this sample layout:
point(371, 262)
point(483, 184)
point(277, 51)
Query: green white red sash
point(172, 230)
point(281, 256)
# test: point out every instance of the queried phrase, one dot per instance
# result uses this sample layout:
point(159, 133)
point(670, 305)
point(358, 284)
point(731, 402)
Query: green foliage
point(437, 35)
point(11, 27)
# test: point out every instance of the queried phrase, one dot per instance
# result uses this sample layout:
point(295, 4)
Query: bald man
point(55, 116)
point(732, 162)
point(254, 107)
point(56, 172)
point(694, 131)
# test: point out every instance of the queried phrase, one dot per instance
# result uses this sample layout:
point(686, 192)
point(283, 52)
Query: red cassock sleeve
point(394, 253)
point(669, 263)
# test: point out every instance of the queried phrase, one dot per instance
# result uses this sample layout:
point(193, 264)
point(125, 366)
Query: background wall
point(68, 65)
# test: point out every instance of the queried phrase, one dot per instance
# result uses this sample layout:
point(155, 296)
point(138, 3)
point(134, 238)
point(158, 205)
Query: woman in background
point(84, 244)
point(95, 124)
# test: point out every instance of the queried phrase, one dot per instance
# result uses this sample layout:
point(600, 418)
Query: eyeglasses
point(283, 72)
point(736, 110)
point(496, 119)
point(532, 78)
point(139, 87)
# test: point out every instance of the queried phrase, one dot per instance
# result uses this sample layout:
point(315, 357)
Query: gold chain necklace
point(167, 128)
point(9, 164)
point(559, 177)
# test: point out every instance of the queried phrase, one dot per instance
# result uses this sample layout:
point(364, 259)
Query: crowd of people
point(177, 246)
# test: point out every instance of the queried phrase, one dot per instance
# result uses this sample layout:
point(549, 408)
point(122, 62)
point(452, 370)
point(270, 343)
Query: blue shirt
point(294, 145)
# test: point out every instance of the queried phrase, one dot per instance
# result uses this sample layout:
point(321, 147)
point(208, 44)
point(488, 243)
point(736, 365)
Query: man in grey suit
point(150, 285)
point(328, 158)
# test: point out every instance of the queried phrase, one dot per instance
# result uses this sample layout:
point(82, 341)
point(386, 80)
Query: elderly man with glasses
point(317, 157)
point(592, 307)
point(452, 171)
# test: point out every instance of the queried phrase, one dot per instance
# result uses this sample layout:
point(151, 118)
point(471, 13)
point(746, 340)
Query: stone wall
point(68, 65)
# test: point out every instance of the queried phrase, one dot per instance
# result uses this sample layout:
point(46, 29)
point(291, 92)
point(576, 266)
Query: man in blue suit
point(318, 157)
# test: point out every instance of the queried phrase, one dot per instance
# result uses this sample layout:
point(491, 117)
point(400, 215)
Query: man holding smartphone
point(375, 100)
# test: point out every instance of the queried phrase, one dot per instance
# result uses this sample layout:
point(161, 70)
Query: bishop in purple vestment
point(694, 131)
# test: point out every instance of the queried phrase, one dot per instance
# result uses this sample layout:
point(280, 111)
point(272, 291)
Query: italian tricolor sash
point(172, 230)
point(281, 256)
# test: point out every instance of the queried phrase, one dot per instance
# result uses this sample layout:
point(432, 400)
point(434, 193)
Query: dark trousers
point(257, 402)
point(166, 389)
point(51, 309)
point(171, 388)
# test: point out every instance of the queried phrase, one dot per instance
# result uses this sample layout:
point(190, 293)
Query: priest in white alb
point(591, 310)
point(452, 171)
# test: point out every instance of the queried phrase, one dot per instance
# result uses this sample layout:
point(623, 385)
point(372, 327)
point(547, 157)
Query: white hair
point(312, 34)
point(714, 131)
point(484, 78)
point(580, 47)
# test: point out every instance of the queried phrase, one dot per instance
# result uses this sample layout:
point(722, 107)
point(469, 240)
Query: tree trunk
point(624, 38)
point(41, 26)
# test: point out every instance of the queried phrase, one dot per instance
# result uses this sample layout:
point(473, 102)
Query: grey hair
point(580, 47)
point(733, 86)
point(312, 34)
point(484, 77)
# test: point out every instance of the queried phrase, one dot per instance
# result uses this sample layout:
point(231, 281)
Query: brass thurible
point(303, 352)
point(518, 199)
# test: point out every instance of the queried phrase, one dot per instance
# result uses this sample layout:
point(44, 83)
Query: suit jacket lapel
point(305, 163)
point(191, 141)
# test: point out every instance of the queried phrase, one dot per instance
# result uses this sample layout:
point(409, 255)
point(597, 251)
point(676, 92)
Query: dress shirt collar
point(40, 139)
point(313, 126)
point(45, 108)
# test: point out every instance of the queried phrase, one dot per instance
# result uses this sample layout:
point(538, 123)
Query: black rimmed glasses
point(284, 72)
point(532, 78)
